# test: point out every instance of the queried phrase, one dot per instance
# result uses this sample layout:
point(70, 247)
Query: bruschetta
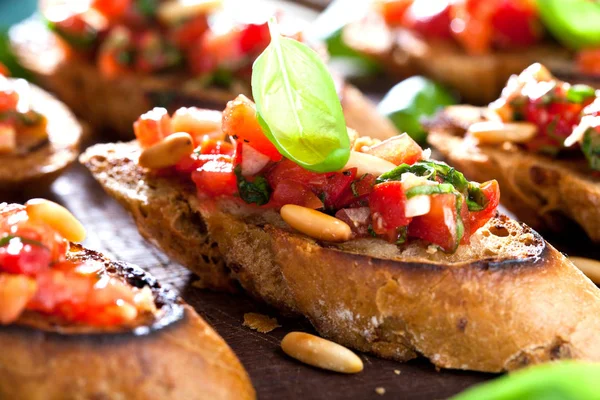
point(394, 254)
point(138, 55)
point(74, 324)
point(472, 46)
point(541, 140)
point(39, 136)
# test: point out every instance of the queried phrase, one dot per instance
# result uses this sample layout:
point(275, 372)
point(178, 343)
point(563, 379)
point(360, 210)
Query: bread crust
point(545, 193)
point(117, 103)
point(507, 300)
point(176, 356)
point(42, 166)
point(478, 78)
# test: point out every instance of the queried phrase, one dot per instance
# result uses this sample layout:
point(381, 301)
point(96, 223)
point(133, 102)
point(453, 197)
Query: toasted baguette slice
point(507, 300)
point(43, 165)
point(116, 103)
point(544, 192)
point(175, 355)
point(478, 78)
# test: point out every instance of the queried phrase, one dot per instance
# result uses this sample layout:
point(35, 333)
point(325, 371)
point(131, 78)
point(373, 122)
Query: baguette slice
point(478, 78)
point(507, 300)
point(43, 165)
point(116, 103)
point(177, 355)
point(544, 192)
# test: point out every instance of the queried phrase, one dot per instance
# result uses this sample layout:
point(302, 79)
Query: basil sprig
point(7, 239)
point(580, 93)
point(429, 190)
point(257, 191)
point(432, 170)
point(297, 104)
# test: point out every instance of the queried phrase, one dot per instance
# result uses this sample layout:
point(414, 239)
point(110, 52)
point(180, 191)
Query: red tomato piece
point(439, 225)
point(190, 32)
point(8, 100)
point(357, 194)
point(111, 9)
point(393, 10)
point(516, 24)
point(214, 50)
point(254, 38)
point(336, 185)
point(3, 70)
point(216, 177)
point(152, 127)
point(240, 122)
point(588, 61)
point(291, 192)
point(23, 258)
point(398, 150)
point(212, 146)
point(15, 292)
point(472, 26)
point(429, 18)
point(387, 203)
point(479, 218)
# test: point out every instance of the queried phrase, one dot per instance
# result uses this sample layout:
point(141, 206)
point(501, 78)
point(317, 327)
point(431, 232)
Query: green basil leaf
point(257, 191)
point(80, 40)
point(298, 106)
point(6, 240)
point(147, 7)
point(591, 148)
point(476, 199)
point(429, 190)
point(580, 93)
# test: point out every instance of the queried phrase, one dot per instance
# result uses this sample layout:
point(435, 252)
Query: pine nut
point(57, 217)
point(591, 268)
point(170, 12)
point(492, 132)
point(316, 224)
point(321, 353)
point(368, 164)
point(168, 151)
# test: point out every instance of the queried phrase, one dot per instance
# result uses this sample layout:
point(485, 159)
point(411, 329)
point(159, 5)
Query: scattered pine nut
point(380, 390)
point(316, 224)
point(321, 353)
point(57, 217)
point(167, 152)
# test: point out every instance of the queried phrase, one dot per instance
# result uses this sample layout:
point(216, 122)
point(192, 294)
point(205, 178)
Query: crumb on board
point(260, 322)
point(200, 284)
point(380, 390)
point(397, 371)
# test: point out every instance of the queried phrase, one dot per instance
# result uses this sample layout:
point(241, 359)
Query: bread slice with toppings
point(507, 300)
point(544, 192)
point(166, 352)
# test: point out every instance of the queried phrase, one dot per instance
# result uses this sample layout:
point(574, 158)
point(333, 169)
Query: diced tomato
point(190, 32)
point(472, 24)
point(516, 24)
point(439, 225)
point(393, 10)
point(477, 219)
point(387, 203)
point(109, 64)
point(240, 122)
point(15, 292)
point(76, 31)
point(8, 100)
point(357, 193)
point(588, 61)
point(216, 177)
point(254, 38)
point(152, 127)
point(214, 50)
point(398, 150)
point(430, 18)
point(212, 146)
point(291, 192)
point(23, 258)
point(3, 70)
point(337, 184)
point(111, 9)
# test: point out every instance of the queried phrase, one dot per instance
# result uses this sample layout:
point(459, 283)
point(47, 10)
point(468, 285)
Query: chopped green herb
point(371, 231)
point(591, 148)
point(6, 240)
point(429, 190)
point(402, 235)
point(580, 93)
point(257, 191)
point(147, 7)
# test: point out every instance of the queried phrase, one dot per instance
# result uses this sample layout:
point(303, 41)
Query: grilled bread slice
point(478, 78)
point(544, 192)
point(173, 355)
point(43, 164)
point(116, 103)
point(507, 300)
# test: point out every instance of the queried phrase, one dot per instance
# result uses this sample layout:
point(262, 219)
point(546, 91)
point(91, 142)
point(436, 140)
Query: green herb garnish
point(147, 7)
point(591, 148)
point(80, 40)
point(7, 239)
point(580, 93)
point(429, 190)
point(257, 191)
point(297, 105)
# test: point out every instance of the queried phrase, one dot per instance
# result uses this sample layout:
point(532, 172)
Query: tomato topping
point(4, 70)
point(387, 203)
point(198, 122)
point(357, 194)
point(215, 50)
point(291, 192)
point(254, 38)
point(216, 177)
point(15, 292)
point(8, 100)
point(152, 127)
point(393, 10)
point(398, 150)
point(439, 226)
point(516, 24)
point(213, 146)
point(191, 32)
point(21, 257)
point(477, 219)
point(588, 61)
point(240, 122)
point(429, 18)
point(111, 9)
